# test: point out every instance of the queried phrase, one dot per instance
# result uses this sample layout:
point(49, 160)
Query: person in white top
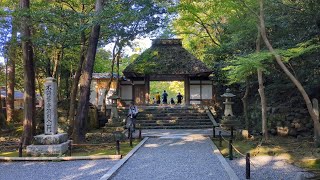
point(133, 112)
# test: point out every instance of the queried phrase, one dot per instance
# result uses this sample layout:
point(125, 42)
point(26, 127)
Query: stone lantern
point(114, 111)
point(228, 120)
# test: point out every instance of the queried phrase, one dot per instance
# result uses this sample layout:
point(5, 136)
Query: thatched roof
point(166, 57)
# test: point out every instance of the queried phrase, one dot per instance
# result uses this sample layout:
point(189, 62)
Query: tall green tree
point(295, 81)
point(85, 80)
point(29, 75)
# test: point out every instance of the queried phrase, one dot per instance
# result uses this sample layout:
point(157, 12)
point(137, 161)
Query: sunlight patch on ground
point(87, 166)
point(151, 145)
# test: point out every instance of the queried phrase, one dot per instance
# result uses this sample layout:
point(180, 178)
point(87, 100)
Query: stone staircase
point(173, 117)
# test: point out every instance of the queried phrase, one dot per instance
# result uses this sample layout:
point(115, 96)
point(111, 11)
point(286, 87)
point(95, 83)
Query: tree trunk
point(118, 73)
point(104, 105)
point(85, 81)
point(75, 83)
point(244, 100)
point(261, 92)
point(2, 118)
point(11, 74)
point(29, 76)
point(295, 81)
point(263, 105)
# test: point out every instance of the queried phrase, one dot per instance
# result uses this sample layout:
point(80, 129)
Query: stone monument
point(51, 142)
point(228, 120)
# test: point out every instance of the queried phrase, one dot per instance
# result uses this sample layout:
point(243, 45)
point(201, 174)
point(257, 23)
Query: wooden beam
point(187, 90)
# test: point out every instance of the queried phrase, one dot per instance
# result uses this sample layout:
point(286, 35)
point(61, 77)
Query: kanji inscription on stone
point(50, 107)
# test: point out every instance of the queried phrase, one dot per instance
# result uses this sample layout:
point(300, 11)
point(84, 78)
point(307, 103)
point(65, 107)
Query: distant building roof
point(166, 56)
point(103, 75)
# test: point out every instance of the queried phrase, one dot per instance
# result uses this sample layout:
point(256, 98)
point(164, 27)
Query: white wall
point(206, 91)
point(126, 93)
point(194, 91)
point(93, 93)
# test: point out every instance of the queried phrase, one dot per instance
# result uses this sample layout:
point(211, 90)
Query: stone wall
point(285, 121)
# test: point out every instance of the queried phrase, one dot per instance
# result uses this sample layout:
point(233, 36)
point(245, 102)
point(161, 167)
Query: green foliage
point(103, 61)
point(244, 67)
point(2, 75)
point(171, 87)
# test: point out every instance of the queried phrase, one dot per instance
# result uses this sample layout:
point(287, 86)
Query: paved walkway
point(64, 170)
point(179, 132)
point(176, 156)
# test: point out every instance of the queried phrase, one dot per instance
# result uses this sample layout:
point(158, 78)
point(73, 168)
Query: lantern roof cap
point(228, 94)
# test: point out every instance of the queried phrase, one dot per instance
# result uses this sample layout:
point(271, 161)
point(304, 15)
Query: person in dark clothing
point(179, 98)
point(171, 101)
point(165, 97)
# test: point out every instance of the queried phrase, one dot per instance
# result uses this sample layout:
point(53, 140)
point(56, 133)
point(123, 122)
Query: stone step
point(172, 121)
point(171, 111)
point(182, 116)
point(177, 127)
point(172, 117)
point(176, 124)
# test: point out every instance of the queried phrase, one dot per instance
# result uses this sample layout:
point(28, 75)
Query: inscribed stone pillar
point(50, 107)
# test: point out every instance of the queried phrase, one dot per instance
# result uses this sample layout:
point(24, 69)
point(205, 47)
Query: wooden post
point(20, 149)
point(70, 148)
point(147, 89)
point(230, 150)
point(130, 139)
point(231, 132)
point(117, 147)
point(220, 139)
point(129, 133)
point(214, 132)
point(140, 133)
point(248, 166)
point(187, 90)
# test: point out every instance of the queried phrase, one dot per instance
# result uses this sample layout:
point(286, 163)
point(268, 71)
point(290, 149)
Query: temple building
point(165, 60)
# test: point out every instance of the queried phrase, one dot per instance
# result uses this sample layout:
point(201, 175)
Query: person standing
point(179, 98)
point(165, 97)
point(158, 98)
point(133, 113)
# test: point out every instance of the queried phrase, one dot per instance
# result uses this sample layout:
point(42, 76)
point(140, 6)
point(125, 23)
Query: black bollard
point(20, 149)
point(129, 133)
point(214, 132)
point(70, 148)
point(231, 132)
point(131, 139)
point(118, 147)
point(230, 150)
point(140, 133)
point(248, 166)
point(220, 139)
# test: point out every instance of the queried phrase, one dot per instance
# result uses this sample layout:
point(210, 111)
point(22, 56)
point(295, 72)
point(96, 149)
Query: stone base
point(228, 121)
point(44, 139)
point(53, 149)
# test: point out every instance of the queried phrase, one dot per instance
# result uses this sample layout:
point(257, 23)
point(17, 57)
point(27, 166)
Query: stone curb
point(122, 161)
point(69, 158)
point(224, 163)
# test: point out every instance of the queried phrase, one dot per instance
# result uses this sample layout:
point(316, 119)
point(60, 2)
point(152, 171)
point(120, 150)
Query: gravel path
point(64, 170)
point(266, 167)
point(189, 157)
point(184, 132)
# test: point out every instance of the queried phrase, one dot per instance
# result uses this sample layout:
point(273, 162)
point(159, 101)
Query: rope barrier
point(238, 151)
